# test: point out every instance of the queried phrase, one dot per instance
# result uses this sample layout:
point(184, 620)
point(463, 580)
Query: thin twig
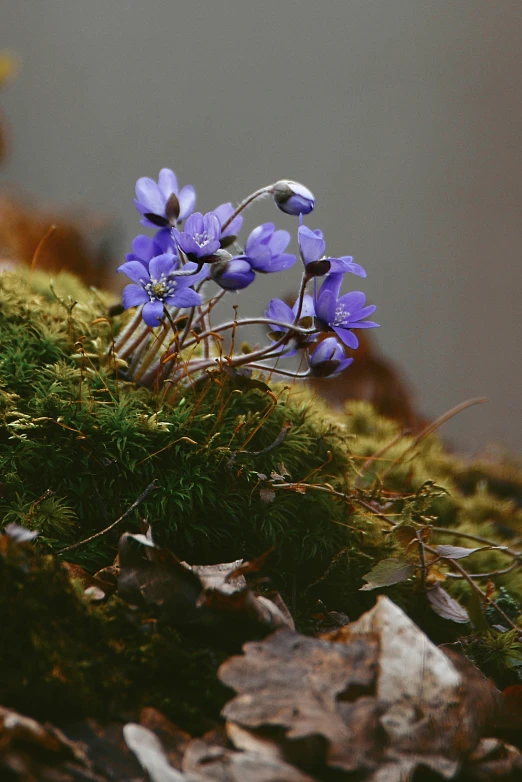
point(141, 498)
point(431, 428)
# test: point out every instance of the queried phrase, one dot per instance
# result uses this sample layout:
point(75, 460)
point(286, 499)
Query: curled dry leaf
point(444, 605)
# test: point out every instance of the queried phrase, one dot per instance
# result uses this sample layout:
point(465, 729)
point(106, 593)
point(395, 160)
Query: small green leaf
point(387, 572)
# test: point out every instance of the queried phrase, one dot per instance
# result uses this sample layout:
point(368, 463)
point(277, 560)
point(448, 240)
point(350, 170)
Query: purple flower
point(201, 235)
point(279, 310)
point(156, 287)
point(293, 198)
point(264, 249)
point(228, 236)
point(312, 246)
point(344, 313)
point(162, 203)
point(233, 274)
point(144, 248)
point(328, 359)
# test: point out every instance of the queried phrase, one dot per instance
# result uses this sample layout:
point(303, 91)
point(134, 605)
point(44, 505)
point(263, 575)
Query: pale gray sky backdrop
point(403, 116)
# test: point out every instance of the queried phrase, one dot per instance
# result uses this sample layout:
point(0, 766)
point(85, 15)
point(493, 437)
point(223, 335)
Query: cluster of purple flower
point(168, 272)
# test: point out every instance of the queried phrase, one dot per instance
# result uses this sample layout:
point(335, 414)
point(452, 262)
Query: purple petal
point(164, 242)
point(135, 271)
point(152, 313)
point(325, 307)
point(346, 264)
point(184, 297)
point(332, 283)
point(259, 256)
point(260, 235)
point(167, 183)
point(187, 243)
point(278, 264)
point(311, 245)
point(364, 324)
point(307, 310)
point(366, 311)
point(212, 226)
point(327, 350)
point(347, 337)
point(224, 211)
point(352, 302)
point(142, 246)
point(194, 224)
point(279, 310)
point(149, 195)
point(209, 248)
point(279, 241)
point(187, 201)
point(236, 276)
point(133, 296)
point(160, 266)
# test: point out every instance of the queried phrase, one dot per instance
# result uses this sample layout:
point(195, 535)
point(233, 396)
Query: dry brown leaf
point(174, 740)
point(206, 763)
point(197, 595)
point(294, 682)
point(375, 697)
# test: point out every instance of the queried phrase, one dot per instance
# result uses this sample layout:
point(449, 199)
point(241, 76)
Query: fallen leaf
point(293, 682)
point(174, 740)
point(375, 698)
point(444, 605)
point(206, 763)
point(213, 596)
point(150, 753)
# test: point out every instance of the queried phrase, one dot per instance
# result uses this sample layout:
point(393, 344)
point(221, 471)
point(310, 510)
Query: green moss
point(74, 658)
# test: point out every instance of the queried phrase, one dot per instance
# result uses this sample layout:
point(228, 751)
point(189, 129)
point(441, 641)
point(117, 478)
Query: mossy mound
point(78, 445)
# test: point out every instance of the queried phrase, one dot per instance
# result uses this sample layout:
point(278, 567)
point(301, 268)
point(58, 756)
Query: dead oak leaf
point(294, 682)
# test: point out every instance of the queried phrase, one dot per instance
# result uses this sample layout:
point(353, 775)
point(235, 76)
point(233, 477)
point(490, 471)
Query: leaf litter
point(373, 700)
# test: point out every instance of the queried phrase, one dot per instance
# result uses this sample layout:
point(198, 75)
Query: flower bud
point(328, 359)
point(232, 274)
point(293, 198)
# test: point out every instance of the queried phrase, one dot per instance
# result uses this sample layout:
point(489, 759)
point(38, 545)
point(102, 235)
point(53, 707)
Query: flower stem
point(252, 197)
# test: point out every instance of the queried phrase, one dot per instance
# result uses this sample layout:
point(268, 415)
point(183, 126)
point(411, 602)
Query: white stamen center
point(341, 315)
point(160, 289)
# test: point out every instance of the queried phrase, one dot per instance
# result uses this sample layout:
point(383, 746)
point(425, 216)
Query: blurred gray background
point(403, 116)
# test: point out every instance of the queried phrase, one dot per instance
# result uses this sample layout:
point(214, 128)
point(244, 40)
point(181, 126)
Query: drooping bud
point(293, 198)
point(328, 359)
point(232, 274)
